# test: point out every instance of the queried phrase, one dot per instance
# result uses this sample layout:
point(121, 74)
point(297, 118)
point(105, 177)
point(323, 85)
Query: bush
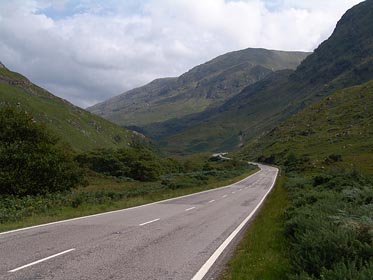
point(31, 161)
point(139, 163)
point(268, 160)
point(333, 158)
point(349, 271)
point(329, 226)
point(294, 163)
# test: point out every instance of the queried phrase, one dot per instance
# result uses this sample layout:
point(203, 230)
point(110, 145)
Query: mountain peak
point(204, 86)
point(348, 50)
point(342, 61)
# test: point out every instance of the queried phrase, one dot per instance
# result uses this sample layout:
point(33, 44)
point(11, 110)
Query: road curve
point(173, 239)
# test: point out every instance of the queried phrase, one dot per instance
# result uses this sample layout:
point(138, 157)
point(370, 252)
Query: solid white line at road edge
point(126, 209)
point(42, 260)
point(209, 263)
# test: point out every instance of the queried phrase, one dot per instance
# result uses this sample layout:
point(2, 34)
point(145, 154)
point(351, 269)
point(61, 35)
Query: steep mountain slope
point(326, 156)
point(75, 126)
point(345, 59)
point(339, 127)
point(204, 86)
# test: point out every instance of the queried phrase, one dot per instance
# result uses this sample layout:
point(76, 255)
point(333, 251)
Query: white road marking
point(225, 195)
point(152, 221)
point(208, 264)
point(240, 190)
point(211, 201)
point(191, 208)
point(42, 260)
point(233, 192)
point(123, 210)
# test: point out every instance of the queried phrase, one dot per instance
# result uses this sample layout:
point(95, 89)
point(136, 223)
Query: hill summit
point(205, 86)
point(344, 60)
point(75, 126)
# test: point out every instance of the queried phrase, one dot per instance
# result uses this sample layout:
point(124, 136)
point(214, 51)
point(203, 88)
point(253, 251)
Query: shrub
point(295, 163)
point(31, 161)
point(333, 158)
point(349, 271)
point(139, 163)
point(268, 160)
point(329, 226)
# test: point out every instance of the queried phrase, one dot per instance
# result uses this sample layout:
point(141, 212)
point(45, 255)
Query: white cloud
point(89, 52)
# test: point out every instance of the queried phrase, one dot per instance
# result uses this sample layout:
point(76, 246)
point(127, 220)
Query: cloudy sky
point(87, 51)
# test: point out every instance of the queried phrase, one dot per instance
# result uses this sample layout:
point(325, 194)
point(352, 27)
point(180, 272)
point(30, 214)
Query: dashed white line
point(225, 195)
point(122, 210)
point(152, 221)
point(208, 264)
point(191, 208)
point(240, 190)
point(211, 201)
point(42, 260)
point(233, 192)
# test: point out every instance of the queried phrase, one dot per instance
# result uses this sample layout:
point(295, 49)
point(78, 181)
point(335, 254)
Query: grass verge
point(262, 253)
point(99, 206)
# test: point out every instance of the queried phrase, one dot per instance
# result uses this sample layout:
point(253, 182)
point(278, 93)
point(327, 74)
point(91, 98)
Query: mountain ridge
point(339, 124)
point(75, 126)
point(204, 86)
point(263, 105)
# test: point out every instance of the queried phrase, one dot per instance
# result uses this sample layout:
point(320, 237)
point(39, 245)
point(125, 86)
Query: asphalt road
point(173, 239)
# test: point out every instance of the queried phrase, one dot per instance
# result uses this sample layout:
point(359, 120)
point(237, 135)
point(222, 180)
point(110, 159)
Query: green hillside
point(344, 60)
point(248, 114)
point(338, 128)
point(317, 223)
point(207, 85)
point(81, 129)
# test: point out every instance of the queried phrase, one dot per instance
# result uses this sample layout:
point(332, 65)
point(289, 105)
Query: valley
point(205, 86)
point(169, 176)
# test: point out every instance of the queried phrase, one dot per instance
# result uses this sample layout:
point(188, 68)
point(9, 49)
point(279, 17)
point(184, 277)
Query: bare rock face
point(2, 66)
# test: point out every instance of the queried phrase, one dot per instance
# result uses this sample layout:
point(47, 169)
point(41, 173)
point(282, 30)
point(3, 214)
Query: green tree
point(139, 163)
point(31, 159)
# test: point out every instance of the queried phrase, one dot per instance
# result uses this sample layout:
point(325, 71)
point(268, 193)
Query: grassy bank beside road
point(262, 252)
point(106, 194)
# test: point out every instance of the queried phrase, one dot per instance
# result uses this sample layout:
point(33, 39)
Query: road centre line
point(123, 210)
point(146, 223)
point(225, 195)
point(211, 201)
point(191, 208)
point(233, 192)
point(209, 263)
point(42, 260)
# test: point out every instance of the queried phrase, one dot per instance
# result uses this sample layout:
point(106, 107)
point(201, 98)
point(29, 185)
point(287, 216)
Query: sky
point(87, 51)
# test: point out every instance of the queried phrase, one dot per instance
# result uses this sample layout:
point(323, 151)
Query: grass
point(111, 185)
point(339, 124)
point(262, 253)
point(81, 129)
point(331, 137)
